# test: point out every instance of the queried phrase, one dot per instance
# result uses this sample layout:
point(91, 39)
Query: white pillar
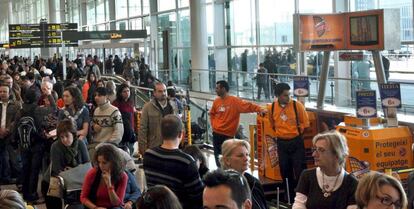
point(342, 69)
point(199, 50)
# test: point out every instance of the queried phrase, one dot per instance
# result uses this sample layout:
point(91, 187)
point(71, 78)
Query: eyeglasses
point(388, 202)
point(319, 150)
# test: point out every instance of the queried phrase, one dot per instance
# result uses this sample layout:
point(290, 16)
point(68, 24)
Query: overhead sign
point(351, 56)
point(301, 86)
point(41, 35)
point(390, 95)
point(104, 35)
point(366, 104)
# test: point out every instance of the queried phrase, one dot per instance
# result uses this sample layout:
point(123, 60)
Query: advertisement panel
point(322, 32)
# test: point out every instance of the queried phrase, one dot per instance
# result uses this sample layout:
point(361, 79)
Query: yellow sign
point(115, 35)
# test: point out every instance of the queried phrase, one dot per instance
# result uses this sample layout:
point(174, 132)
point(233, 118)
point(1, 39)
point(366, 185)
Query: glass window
point(134, 8)
point(183, 3)
point(91, 13)
point(75, 14)
point(276, 22)
point(166, 5)
point(121, 9)
point(147, 24)
point(135, 24)
point(107, 10)
point(121, 25)
point(167, 22)
point(406, 16)
point(315, 6)
point(101, 27)
point(145, 7)
point(242, 22)
point(100, 11)
point(185, 28)
point(210, 24)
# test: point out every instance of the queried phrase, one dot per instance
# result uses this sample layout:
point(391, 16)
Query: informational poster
point(366, 104)
point(390, 95)
point(301, 86)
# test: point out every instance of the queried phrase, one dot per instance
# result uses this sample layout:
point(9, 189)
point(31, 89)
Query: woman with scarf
point(66, 152)
point(75, 110)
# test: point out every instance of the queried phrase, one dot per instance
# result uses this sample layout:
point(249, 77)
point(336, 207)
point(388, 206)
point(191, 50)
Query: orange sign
point(322, 32)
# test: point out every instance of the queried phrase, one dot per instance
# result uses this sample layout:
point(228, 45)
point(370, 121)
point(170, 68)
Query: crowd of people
point(52, 127)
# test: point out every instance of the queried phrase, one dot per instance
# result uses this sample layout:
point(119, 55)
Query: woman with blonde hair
point(380, 191)
point(10, 199)
point(328, 185)
point(235, 155)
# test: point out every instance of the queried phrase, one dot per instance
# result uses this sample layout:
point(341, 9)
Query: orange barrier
point(377, 148)
point(267, 148)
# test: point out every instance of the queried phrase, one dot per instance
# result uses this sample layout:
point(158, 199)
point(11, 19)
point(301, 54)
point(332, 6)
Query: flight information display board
point(41, 35)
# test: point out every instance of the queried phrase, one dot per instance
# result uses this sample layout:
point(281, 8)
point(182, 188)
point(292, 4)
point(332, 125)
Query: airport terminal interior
point(317, 92)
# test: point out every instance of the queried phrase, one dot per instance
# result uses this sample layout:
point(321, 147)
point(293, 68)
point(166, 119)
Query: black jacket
point(258, 197)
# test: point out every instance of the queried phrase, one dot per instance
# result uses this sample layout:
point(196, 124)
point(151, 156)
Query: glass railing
point(339, 91)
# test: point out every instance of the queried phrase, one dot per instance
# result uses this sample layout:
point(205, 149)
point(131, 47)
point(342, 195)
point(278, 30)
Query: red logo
point(320, 25)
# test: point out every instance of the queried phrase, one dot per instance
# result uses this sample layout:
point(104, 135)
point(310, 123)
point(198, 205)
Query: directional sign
point(20, 27)
point(40, 35)
point(104, 35)
point(62, 26)
point(351, 56)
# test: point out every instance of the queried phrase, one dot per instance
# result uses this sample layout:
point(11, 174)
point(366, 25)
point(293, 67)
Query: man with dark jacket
point(9, 112)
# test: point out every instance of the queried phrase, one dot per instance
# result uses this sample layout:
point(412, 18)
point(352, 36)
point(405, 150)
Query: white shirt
point(3, 114)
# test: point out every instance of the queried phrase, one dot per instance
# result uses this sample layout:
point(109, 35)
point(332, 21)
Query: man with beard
point(152, 113)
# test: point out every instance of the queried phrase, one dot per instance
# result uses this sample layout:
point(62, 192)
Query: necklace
point(325, 187)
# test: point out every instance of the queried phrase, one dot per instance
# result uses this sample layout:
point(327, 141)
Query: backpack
point(26, 131)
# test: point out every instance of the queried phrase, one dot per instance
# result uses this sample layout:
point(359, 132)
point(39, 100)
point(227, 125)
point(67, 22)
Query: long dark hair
point(119, 93)
point(88, 77)
point(158, 197)
point(111, 154)
point(76, 94)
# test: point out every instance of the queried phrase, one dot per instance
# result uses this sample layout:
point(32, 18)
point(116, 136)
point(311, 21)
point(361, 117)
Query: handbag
point(73, 178)
point(55, 185)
